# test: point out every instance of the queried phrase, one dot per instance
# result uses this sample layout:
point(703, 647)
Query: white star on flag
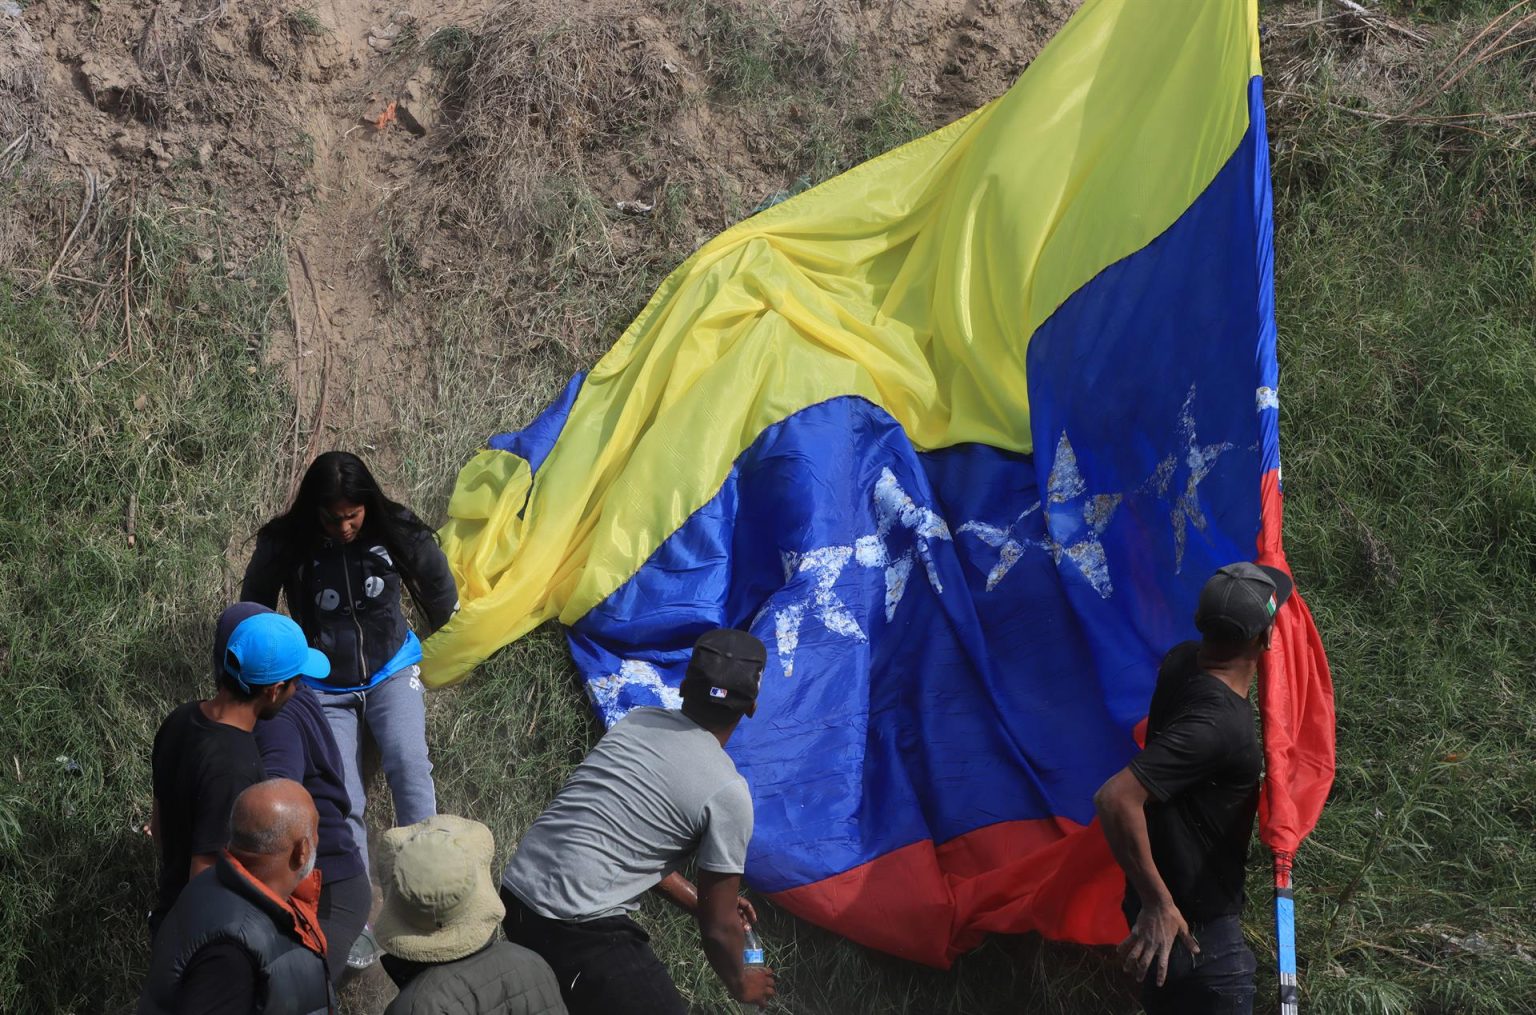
point(892, 505)
point(825, 565)
point(1199, 459)
point(1009, 549)
point(632, 673)
point(1073, 532)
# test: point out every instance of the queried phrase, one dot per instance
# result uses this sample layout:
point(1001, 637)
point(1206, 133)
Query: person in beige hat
point(438, 928)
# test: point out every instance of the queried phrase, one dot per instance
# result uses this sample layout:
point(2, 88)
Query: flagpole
point(1285, 934)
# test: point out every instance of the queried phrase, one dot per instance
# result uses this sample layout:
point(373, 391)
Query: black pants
point(1218, 981)
point(605, 966)
point(344, 909)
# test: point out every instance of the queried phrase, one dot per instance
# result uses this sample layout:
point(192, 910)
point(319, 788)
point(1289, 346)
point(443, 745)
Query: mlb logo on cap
point(725, 669)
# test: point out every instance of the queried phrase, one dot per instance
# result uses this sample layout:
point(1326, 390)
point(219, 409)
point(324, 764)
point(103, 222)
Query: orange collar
point(303, 907)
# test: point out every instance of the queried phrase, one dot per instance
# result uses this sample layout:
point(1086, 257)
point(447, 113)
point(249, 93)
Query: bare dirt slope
point(331, 126)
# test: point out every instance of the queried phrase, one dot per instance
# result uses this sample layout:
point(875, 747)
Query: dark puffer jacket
point(346, 596)
point(221, 905)
point(499, 979)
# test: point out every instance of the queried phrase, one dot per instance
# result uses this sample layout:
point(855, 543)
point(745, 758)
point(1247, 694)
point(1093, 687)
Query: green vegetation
point(138, 398)
point(305, 21)
point(137, 458)
point(1406, 285)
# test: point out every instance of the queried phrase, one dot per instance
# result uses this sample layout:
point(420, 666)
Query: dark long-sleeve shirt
point(347, 596)
point(297, 744)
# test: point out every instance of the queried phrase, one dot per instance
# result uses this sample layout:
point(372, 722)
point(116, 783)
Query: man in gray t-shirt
point(657, 789)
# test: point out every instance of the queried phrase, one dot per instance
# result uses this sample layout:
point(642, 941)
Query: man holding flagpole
point(1180, 816)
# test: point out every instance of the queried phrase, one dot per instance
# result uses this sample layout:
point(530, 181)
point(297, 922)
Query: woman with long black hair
point(341, 555)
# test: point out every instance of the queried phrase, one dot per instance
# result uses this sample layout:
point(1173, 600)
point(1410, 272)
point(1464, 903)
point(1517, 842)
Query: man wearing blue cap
point(205, 753)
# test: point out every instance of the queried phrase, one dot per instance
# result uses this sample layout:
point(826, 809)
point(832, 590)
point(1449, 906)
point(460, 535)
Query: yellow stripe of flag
point(914, 280)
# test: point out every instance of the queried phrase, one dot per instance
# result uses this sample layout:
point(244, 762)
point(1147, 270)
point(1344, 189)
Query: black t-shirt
point(1201, 765)
point(199, 766)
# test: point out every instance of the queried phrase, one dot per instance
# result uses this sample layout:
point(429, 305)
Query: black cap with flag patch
point(727, 666)
point(1240, 601)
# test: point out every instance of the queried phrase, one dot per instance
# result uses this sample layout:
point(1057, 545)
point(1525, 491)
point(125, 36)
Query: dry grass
point(536, 101)
point(21, 78)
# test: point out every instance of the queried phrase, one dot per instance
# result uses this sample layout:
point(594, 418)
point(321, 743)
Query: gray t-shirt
point(655, 789)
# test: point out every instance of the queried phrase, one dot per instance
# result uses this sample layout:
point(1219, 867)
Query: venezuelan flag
point(959, 434)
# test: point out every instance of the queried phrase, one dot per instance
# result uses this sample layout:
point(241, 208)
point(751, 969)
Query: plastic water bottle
point(751, 957)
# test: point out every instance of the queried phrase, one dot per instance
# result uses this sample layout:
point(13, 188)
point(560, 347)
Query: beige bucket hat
point(439, 903)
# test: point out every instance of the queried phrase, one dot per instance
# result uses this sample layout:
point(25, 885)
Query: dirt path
point(359, 353)
point(258, 109)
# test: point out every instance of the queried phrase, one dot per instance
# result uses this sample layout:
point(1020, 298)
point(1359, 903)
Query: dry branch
point(86, 201)
point(128, 276)
point(325, 361)
point(1380, 22)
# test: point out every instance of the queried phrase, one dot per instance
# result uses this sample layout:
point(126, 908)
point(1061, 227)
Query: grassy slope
point(99, 638)
point(1405, 292)
point(1406, 285)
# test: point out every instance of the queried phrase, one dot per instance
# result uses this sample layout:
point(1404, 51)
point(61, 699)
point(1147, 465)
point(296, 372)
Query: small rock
point(160, 153)
point(382, 39)
point(205, 155)
point(379, 112)
point(113, 86)
point(416, 106)
point(126, 145)
point(634, 207)
point(202, 253)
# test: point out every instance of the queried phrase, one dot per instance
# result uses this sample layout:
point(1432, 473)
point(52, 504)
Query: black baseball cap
point(1240, 601)
point(727, 667)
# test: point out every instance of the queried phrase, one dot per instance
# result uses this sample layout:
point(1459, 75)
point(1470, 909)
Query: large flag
point(959, 434)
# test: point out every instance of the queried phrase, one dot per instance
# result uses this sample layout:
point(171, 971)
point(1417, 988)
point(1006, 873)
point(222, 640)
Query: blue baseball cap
point(266, 648)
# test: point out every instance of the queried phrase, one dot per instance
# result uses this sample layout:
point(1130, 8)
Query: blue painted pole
point(1285, 935)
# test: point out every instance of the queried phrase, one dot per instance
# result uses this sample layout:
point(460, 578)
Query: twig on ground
point(1490, 26)
point(86, 201)
point(96, 305)
point(1375, 20)
point(1511, 46)
point(1459, 121)
point(1378, 842)
point(325, 358)
point(21, 139)
point(1488, 53)
point(217, 11)
point(298, 393)
point(61, 276)
point(128, 276)
point(1400, 953)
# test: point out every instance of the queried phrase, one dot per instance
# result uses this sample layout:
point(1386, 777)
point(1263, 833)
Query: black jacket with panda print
point(346, 596)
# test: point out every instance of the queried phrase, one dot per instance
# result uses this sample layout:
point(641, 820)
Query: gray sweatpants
point(396, 714)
